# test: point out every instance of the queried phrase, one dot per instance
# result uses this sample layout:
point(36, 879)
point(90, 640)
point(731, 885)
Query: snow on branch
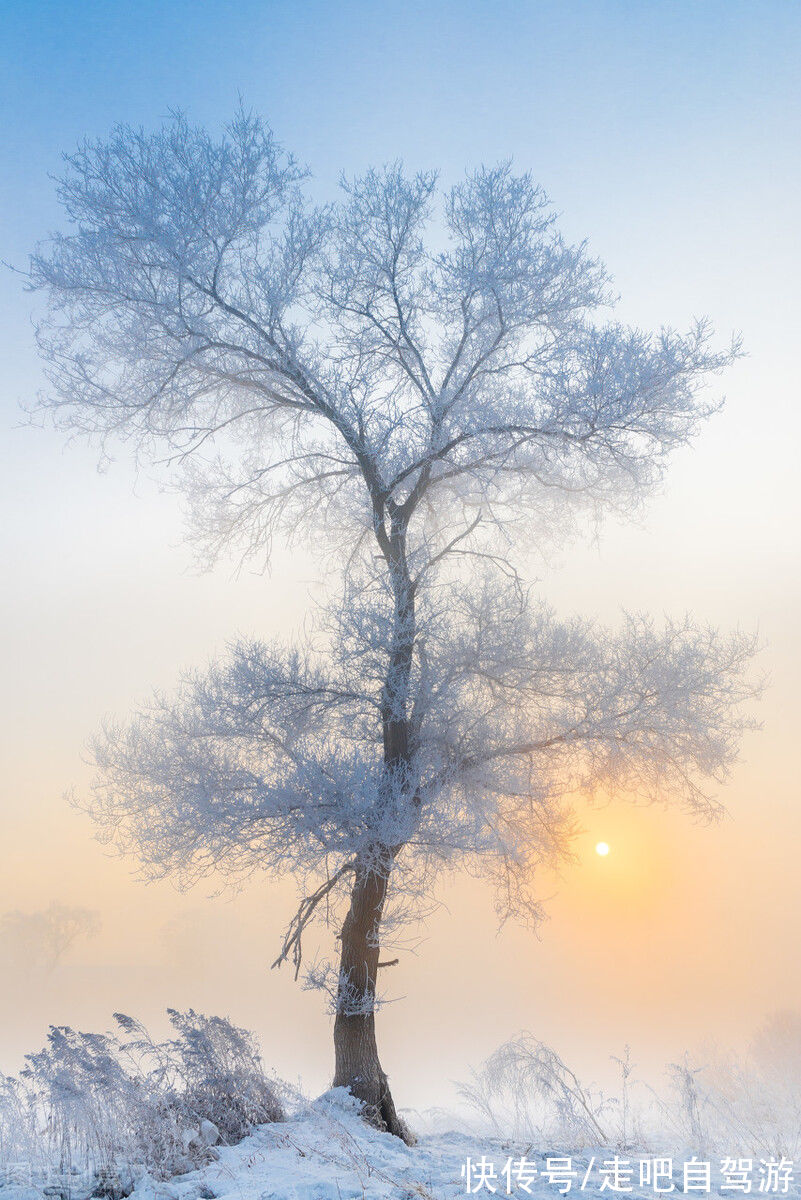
point(270, 762)
point(408, 345)
point(420, 379)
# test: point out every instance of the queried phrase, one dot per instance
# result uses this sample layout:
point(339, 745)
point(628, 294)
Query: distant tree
point(417, 383)
point(31, 940)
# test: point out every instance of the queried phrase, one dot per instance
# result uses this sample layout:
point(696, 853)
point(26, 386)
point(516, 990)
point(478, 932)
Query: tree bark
point(356, 1052)
point(357, 1063)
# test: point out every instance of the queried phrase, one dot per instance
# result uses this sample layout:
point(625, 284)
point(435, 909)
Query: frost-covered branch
point(305, 914)
point(283, 352)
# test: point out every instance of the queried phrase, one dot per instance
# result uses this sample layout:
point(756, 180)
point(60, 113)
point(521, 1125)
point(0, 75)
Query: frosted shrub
point(211, 1072)
point(525, 1089)
point(749, 1104)
point(92, 1111)
point(85, 1102)
point(16, 1127)
point(720, 1105)
point(687, 1106)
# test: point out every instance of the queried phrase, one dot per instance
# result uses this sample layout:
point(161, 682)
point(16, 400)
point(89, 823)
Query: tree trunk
point(357, 1063)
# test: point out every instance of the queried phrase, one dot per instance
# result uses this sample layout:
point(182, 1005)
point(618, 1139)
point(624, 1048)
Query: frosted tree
point(422, 382)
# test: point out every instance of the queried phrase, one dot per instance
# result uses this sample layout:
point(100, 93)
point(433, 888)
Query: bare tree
point(30, 940)
point(417, 380)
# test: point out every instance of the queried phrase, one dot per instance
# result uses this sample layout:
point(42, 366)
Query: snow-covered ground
point(326, 1152)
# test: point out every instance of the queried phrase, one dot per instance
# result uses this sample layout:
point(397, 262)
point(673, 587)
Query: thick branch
point(294, 934)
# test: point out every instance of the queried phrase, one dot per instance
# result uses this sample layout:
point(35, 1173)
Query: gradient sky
point(668, 135)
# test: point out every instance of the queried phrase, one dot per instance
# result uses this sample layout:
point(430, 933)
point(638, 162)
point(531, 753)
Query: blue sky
point(667, 133)
point(646, 121)
point(578, 89)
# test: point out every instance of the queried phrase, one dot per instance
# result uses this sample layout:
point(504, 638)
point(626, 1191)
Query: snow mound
point(325, 1152)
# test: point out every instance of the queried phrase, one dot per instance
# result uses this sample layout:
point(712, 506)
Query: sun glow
point(602, 848)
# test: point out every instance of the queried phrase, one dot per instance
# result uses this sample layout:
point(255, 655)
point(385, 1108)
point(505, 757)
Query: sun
point(602, 848)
